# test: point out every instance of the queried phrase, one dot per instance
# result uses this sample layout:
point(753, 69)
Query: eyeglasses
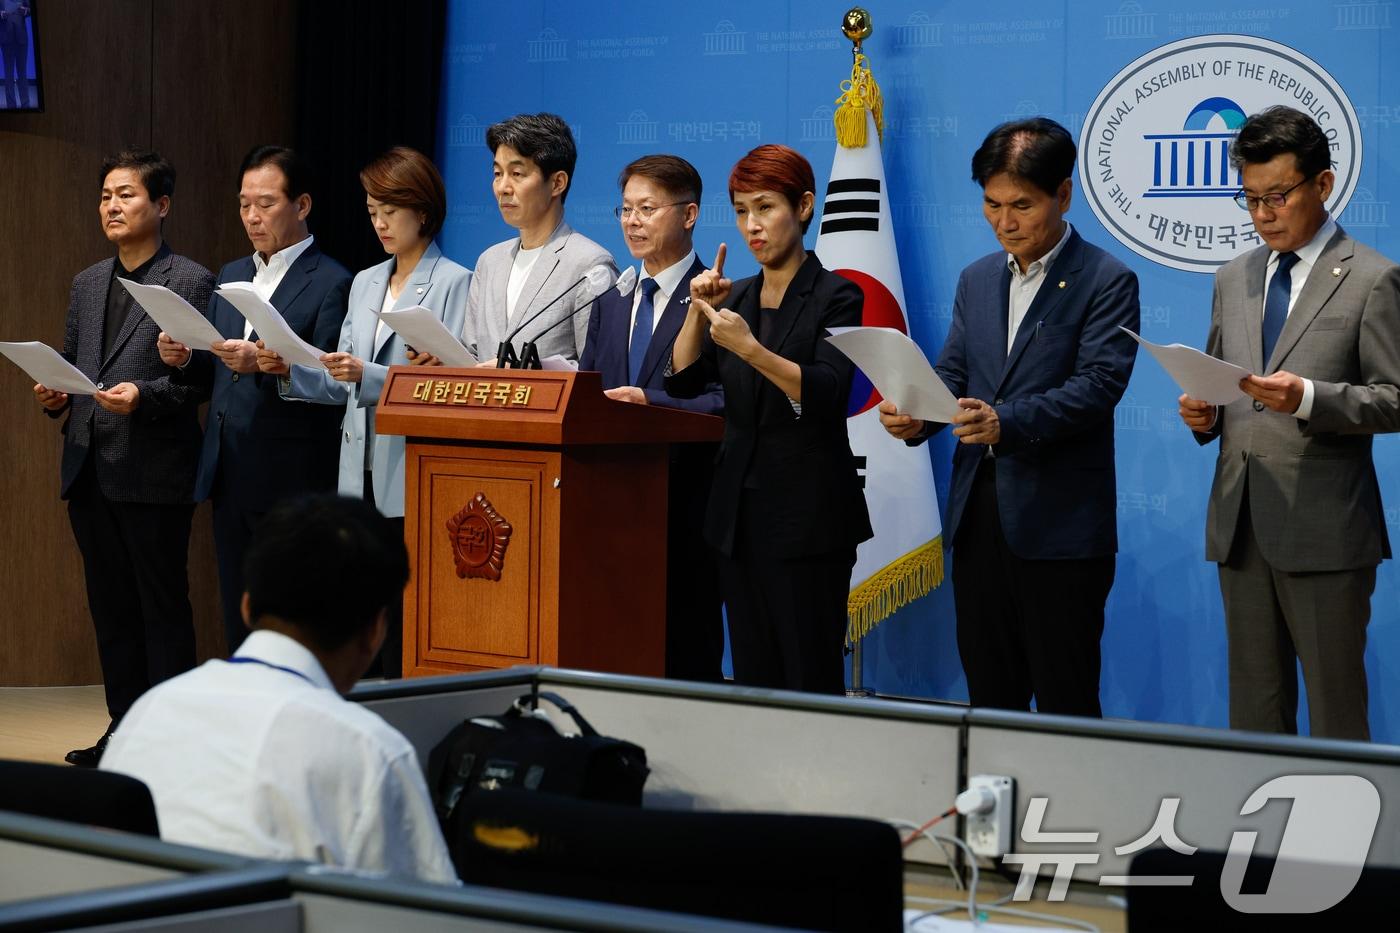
point(645, 211)
point(1273, 201)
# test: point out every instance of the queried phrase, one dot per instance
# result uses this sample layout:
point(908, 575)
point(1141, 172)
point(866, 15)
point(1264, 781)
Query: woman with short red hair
point(786, 509)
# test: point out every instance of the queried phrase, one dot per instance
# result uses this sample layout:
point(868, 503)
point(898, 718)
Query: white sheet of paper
point(272, 329)
point(1200, 376)
point(47, 367)
point(176, 316)
point(899, 370)
point(421, 330)
point(559, 363)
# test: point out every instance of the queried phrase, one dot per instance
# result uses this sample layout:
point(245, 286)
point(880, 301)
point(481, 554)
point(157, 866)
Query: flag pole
point(857, 688)
point(857, 26)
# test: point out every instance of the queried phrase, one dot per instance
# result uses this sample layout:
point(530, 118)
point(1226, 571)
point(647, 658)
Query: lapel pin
point(1062, 284)
point(1336, 270)
point(420, 289)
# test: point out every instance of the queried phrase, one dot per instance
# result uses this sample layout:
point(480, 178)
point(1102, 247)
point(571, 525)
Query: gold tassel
point(858, 95)
point(895, 585)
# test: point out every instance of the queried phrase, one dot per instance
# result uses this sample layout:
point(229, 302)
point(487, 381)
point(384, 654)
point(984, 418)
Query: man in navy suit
point(129, 451)
point(260, 448)
point(629, 342)
point(1036, 356)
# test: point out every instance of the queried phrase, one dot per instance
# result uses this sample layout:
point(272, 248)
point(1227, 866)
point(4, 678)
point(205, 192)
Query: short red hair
point(775, 167)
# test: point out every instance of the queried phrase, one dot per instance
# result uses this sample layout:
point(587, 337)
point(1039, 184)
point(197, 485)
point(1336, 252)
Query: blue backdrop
point(711, 80)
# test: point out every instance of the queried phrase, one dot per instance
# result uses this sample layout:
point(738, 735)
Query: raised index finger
point(718, 267)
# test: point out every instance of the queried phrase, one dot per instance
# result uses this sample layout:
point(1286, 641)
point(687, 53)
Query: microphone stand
point(530, 356)
point(505, 353)
point(505, 356)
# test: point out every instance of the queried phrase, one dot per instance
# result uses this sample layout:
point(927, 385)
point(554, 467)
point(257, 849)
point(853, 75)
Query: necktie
point(1276, 303)
point(641, 331)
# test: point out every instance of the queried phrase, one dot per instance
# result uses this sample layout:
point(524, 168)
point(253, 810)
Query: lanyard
point(276, 667)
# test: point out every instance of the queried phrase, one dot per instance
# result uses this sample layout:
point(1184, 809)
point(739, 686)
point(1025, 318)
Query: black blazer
point(801, 467)
point(150, 455)
point(273, 447)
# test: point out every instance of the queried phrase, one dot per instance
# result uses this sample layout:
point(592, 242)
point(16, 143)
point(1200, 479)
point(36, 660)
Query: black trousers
point(787, 617)
point(1026, 628)
point(233, 532)
point(694, 614)
point(135, 558)
point(389, 662)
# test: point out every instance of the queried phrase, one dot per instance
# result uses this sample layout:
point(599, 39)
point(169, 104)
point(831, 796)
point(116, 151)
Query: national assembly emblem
point(479, 538)
point(1154, 153)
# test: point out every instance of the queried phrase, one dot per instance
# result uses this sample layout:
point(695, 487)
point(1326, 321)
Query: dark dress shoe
point(89, 757)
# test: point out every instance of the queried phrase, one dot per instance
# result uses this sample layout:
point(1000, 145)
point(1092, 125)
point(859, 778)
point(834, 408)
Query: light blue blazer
point(438, 284)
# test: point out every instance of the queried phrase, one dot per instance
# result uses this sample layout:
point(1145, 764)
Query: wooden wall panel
point(199, 81)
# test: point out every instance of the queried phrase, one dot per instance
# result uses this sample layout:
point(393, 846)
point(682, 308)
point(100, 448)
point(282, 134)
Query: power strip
point(990, 817)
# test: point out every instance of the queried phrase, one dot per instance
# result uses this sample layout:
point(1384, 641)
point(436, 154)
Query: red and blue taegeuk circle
point(881, 310)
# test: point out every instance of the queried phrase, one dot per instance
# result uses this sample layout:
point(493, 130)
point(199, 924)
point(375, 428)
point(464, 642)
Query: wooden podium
point(535, 518)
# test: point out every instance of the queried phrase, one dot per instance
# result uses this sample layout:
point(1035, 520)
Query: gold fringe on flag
point(895, 585)
point(858, 95)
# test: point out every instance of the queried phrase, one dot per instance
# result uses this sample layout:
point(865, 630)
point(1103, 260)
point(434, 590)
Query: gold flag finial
point(860, 93)
point(856, 25)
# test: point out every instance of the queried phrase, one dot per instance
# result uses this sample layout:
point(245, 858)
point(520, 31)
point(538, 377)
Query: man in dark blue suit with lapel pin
point(1037, 359)
point(260, 448)
point(629, 342)
point(130, 450)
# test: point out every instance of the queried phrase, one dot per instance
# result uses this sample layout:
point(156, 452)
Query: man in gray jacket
point(533, 158)
point(1295, 520)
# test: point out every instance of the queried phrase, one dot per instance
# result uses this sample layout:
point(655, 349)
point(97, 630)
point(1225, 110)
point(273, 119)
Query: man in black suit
point(629, 342)
point(260, 448)
point(130, 450)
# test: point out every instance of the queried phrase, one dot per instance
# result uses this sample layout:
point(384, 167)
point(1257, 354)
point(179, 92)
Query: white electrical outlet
point(989, 827)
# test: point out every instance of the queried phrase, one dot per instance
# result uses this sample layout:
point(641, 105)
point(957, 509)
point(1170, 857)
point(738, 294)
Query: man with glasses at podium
point(629, 342)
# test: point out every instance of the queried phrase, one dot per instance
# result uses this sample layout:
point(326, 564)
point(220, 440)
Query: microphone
point(530, 357)
point(597, 278)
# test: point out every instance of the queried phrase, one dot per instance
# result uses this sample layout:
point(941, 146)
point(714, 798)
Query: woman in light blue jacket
point(407, 203)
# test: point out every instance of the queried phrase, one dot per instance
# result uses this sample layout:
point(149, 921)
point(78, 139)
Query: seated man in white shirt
point(260, 754)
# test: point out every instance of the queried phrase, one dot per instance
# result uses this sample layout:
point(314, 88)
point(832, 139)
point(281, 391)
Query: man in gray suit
point(1295, 520)
point(533, 165)
point(130, 450)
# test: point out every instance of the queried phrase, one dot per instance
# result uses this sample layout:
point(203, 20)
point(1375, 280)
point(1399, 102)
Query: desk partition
point(721, 747)
point(105, 882)
point(1111, 778)
point(45, 858)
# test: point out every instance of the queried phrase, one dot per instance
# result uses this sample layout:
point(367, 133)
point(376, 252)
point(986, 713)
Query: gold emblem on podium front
point(479, 537)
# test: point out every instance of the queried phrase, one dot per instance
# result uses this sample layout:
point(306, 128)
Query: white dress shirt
point(1298, 277)
point(666, 282)
point(1026, 285)
point(261, 756)
point(268, 274)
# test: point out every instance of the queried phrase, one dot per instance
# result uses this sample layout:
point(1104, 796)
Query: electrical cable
point(973, 908)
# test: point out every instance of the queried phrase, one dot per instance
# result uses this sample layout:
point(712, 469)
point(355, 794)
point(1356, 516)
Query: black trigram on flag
point(833, 223)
